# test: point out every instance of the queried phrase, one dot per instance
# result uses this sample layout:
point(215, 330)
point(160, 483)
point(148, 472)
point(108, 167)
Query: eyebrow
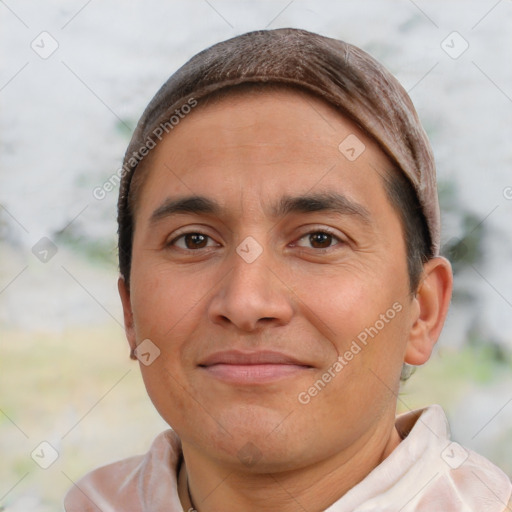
point(321, 202)
point(308, 203)
point(189, 204)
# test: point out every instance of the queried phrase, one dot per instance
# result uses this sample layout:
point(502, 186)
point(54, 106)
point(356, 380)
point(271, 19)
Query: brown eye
point(193, 241)
point(318, 240)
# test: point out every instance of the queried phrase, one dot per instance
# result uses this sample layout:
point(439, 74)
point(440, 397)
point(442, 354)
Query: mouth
point(252, 367)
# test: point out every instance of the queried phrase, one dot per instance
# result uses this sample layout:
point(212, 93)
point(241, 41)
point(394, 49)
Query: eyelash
point(321, 231)
point(294, 244)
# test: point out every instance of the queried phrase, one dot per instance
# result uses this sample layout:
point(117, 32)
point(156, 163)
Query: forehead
point(253, 135)
point(275, 107)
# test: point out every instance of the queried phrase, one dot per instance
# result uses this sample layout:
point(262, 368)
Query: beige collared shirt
point(426, 473)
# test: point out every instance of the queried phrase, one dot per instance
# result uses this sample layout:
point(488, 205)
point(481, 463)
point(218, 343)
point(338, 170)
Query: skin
point(307, 295)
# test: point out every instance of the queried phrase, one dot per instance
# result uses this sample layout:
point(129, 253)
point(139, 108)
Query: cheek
point(164, 302)
point(365, 374)
point(167, 311)
point(344, 301)
point(364, 317)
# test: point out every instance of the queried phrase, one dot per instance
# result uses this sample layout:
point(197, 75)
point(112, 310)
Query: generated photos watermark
point(357, 345)
point(158, 133)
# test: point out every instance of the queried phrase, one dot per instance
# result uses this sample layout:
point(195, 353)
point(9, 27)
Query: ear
point(124, 293)
point(431, 303)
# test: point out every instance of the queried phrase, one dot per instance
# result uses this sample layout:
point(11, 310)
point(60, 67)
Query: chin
point(254, 438)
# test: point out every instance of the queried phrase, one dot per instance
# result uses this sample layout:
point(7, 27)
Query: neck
point(207, 486)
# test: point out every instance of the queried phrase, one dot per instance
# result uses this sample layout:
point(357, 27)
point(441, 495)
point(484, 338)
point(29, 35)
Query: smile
point(252, 368)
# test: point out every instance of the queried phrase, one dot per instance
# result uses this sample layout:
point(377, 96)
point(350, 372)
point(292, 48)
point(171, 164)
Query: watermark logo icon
point(44, 250)
point(44, 455)
point(454, 45)
point(454, 455)
point(45, 45)
point(146, 352)
point(351, 147)
point(249, 250)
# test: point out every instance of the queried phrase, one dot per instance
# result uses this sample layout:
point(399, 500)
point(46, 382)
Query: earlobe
point(431, 303)
point(124, 294)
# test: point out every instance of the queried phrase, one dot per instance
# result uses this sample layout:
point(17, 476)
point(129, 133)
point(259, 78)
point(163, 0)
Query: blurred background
point(75, 77)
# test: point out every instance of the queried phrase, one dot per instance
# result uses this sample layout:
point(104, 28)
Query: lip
point(259, 367)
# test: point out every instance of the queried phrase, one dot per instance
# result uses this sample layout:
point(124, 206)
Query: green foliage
point(464, 250)
point(94, 250)
point(125, 127)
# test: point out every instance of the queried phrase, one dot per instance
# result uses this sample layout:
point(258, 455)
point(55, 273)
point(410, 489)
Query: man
point(278, 246)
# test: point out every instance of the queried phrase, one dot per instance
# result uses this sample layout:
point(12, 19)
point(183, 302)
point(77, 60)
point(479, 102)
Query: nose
point(251, 295)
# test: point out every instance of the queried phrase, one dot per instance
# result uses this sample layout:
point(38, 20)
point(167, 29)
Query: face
point(269, 271)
